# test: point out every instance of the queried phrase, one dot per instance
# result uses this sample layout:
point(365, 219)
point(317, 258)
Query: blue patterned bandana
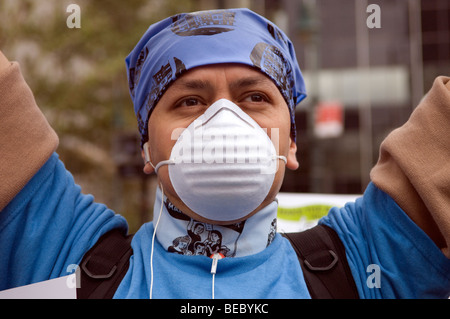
point(188, 40)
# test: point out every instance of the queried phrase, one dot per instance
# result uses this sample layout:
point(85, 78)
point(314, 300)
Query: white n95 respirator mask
point(223, 164)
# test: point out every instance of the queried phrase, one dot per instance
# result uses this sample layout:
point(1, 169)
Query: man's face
point(189, 97)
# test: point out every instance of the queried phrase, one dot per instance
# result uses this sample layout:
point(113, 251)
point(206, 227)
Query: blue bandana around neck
point(188, 40)
point(180, 234)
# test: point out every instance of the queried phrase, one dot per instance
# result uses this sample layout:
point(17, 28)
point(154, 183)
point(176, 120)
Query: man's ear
point(148, 167)
point(292, 162)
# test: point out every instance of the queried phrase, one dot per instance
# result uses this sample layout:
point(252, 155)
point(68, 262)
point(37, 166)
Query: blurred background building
point(362, 83)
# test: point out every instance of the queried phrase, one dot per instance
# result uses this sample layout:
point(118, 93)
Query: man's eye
point(256, 97)
point(189, 102)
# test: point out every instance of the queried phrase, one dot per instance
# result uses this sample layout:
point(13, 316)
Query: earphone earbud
point(146, 153)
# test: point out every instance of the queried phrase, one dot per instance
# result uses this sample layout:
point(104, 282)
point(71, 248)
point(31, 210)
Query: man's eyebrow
point(250, 81)
point(239, 83)
point(193, 84)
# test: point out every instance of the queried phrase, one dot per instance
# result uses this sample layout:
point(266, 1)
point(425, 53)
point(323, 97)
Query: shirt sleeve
point(414, 167)
point(46, 223)
point(48, 226)
point(26, 139)
point(389, 255)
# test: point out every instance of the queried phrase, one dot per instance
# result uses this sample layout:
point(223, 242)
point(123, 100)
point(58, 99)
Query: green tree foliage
point(79, 80)
point(78, 75)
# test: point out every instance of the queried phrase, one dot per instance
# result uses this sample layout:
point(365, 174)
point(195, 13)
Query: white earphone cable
point(215, 259)
point(153, 243)
point(213, 276)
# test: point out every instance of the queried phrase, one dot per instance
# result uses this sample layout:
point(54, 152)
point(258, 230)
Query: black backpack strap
point(324, 263)
point(104, 266)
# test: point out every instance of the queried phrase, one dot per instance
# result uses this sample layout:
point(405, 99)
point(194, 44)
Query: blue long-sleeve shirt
point(50, 225)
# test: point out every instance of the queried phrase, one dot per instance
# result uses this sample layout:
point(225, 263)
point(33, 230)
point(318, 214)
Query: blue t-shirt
point(380, 239)
point(180, 276)
point(50, 225)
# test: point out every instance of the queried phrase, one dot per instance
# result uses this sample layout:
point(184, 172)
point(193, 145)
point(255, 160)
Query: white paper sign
point(300, 211)
point(59, 288)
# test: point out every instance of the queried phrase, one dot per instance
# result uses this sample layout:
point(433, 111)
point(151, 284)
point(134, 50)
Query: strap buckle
point(102, 276)
point(323, 268)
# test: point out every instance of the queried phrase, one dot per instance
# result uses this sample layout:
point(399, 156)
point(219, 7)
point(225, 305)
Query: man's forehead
point(237, 76)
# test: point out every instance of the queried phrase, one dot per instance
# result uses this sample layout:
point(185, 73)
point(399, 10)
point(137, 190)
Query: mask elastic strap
point(147, 159)
point(281, 157)
point(166, 162)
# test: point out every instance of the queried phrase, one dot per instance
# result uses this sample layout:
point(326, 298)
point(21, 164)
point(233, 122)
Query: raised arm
point(46, 223)
point(414, 165)
point(26, 139)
